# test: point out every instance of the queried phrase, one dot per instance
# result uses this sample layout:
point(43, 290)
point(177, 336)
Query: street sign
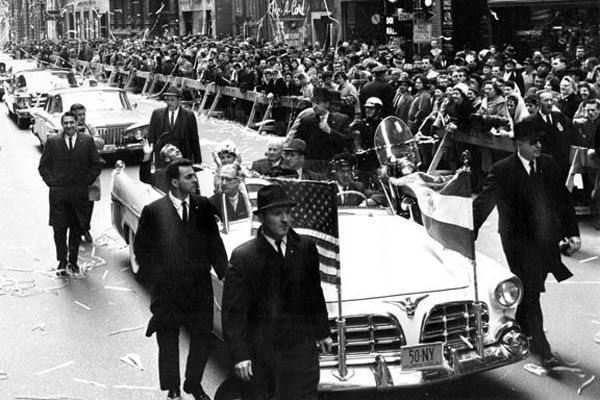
point(406, 16)
point(421, 33)
point(375, 19)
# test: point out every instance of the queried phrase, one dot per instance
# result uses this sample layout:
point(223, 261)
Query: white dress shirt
point(67, 140)
point(178, 205)
point(274, 245)
point(175, 114)
point(525, 163)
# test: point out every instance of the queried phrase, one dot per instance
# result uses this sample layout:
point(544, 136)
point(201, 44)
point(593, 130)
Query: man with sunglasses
point(535, 213)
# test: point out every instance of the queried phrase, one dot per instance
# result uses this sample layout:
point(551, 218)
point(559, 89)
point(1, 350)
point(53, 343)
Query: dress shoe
point(87, 237)
point(61, 269)
point(199, 394)
point(174, 395)
point(551, 361)
point(74, 268)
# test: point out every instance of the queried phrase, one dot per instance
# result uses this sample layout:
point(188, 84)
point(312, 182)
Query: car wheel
point(135, 267)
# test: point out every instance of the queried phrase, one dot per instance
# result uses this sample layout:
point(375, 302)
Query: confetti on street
point(135, 328)
point(135, 387)
point(588, 259)
point(82, 305)
point(586, 383)
point(118, 288)
point(100, 385)
point(55, 368)
point(132, 360)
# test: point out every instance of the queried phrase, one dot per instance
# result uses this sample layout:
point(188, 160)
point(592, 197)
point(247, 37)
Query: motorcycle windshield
point(393, 138)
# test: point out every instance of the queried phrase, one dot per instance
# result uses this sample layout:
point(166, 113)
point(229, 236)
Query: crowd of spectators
point(487, 88)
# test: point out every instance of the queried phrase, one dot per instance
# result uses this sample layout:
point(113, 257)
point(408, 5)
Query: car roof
point(86, 89)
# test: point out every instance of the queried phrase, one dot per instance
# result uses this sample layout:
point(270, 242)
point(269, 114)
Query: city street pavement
point(65, 338)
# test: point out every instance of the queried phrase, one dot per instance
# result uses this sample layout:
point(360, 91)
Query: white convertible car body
point(408, 304)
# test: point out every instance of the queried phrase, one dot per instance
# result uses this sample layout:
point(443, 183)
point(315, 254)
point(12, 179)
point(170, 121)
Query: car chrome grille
point(40, 100)
point(369, 334)
point(111, 134)
point(454, 324)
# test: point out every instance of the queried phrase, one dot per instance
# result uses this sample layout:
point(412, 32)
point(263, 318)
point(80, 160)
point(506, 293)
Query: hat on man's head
point(343, 160)
point(298, 145)
point(321, 94)
point(379, 69)
point(526, 129)
point(271, 196)
point(172, 91)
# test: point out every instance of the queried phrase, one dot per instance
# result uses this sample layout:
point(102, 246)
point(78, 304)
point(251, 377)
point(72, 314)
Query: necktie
point(171, 119)
point(548, 119)
point(184, 214)
point(70, 142)
point(531, 168)
point(279, 251)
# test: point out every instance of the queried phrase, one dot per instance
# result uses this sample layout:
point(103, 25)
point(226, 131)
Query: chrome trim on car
point(454, 324)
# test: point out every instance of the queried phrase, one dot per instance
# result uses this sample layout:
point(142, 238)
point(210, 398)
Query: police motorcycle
point(396, 150)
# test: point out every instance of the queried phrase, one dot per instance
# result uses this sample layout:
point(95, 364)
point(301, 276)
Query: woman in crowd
point(421, 105)
point(493, 108)
point(569, 100)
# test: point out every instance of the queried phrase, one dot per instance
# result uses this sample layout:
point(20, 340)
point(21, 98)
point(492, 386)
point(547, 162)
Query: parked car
point(30, 88)
point(107, 109)
point(10, 66)
point(408, 303)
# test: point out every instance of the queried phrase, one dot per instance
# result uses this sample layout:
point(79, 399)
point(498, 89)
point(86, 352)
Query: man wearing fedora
point(274, 315)
point(176, 244)
point(326, 133)
point(174, 125)
point(379, 87)
point(535, 213)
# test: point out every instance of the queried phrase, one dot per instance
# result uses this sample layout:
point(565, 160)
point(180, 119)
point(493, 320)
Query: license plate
point(422, 356)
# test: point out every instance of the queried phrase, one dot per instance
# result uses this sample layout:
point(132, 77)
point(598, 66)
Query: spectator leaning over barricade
point(349, 96)
point(493, 106)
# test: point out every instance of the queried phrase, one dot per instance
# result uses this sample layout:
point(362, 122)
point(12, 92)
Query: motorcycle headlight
point(508, 293)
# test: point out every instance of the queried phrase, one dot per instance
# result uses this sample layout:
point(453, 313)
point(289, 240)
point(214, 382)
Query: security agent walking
point(176, 125)
point(274, 314)
point(69, 165)
point(535, 213)
point(176, 244)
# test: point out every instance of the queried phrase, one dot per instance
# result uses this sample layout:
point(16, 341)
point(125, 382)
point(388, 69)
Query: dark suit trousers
point(60, 242)
point(168, 358)
point(530, 318)
point(285, 374)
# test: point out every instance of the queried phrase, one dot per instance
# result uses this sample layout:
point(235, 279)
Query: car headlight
point(508, 293)
point(23, 102)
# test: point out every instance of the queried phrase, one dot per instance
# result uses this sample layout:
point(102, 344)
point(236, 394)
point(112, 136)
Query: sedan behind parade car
point(107, 109)
point(30, 88)
point(407, 302)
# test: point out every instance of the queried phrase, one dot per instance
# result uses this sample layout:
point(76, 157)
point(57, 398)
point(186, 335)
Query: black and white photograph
point(299, 199)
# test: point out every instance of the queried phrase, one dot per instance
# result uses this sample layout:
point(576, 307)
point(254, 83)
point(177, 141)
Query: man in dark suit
point(342, 171)
point(380, 88)
point(69, 165)
point(535, 213)
point(175, 125)
point(325, 133)
point(559, 132)
point(176, 244)
point(235, 201)
point(274, 313)
point(272, 159)
point(158, 178)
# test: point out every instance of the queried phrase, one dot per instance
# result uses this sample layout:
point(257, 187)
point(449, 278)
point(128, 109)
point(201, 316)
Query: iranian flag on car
point(446, 208)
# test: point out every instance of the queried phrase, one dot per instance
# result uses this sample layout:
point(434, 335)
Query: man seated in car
point(158, 178)
point(292, 163)
point(351, 193)
point(230, 194)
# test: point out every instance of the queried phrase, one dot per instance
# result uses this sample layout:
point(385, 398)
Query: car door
point(43, 123)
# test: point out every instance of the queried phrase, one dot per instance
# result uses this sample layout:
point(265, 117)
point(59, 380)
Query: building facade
point(143, 17)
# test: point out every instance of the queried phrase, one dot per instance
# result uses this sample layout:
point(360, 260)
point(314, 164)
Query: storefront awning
point(542, 3)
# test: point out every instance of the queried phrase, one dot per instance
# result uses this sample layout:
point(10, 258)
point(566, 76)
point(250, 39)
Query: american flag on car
point(314, 216)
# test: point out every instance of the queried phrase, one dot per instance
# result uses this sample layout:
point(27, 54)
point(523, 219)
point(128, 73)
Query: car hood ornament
point(408, 305)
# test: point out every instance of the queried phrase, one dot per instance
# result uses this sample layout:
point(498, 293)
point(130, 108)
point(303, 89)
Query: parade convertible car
point(408, 303)
point(107, 109)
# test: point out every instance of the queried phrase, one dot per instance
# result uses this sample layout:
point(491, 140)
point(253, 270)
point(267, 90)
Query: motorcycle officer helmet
point(373, 102)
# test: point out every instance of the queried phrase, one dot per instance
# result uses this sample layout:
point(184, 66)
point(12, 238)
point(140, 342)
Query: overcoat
point(270, 304)
point(534, 214)
point(183, 134)
point(175, 258)
point(558, 138)
point(68, 174)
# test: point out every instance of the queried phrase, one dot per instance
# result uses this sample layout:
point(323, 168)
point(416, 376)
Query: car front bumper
point(382, 376)
point(118, 148)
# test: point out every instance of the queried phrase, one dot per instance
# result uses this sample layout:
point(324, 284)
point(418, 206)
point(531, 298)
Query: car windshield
point(43, 81)
point(21, 65)
point(99, 100)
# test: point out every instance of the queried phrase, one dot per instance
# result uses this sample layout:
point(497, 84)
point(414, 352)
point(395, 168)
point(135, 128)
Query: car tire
point(135, 266)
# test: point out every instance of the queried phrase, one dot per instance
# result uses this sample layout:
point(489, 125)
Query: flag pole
point(477, 305)
point(341, 329)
